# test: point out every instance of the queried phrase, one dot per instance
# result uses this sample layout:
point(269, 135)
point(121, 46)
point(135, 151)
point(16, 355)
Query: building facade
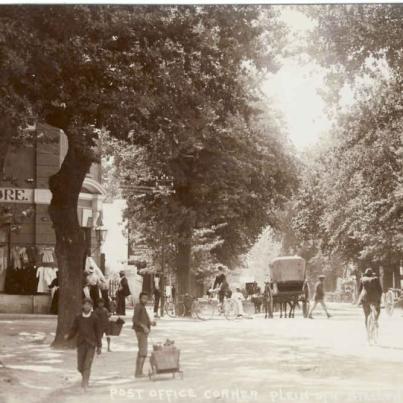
point(27, 239)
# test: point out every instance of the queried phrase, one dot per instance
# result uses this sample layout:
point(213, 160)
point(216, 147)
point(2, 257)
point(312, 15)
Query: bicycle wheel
point(208, 309)
point(389, 302)
point(197, 312)
point(230, 309)
point(372, 328)
point(170, 309)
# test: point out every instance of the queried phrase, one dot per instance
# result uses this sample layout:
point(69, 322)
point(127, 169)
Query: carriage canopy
point(287, 268)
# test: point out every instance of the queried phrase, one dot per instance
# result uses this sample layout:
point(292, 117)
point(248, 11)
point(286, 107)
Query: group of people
point(90, 326)
point(96, 288)
point(370, 293)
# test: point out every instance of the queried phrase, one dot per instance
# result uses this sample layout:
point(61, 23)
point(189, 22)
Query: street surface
point(255, 360)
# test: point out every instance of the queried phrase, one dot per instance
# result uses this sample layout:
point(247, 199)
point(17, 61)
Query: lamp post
point(100, 233)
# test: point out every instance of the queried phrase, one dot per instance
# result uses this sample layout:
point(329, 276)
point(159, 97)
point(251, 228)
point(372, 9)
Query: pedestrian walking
point(103, 316)
point(319, 297)
point(122, 293)
point(86, 328)
point(141, 325)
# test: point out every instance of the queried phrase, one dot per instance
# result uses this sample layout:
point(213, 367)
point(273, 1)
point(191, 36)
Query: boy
point(238, 297)
point(103, 316)
point(86, 328)
point(141, 325)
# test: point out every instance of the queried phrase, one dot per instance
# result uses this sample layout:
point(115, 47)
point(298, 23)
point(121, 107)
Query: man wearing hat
point(122, 293)
point(370, 293)
point(319, 296)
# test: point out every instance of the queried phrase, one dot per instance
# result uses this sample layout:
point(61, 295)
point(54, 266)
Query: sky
point(294, 90)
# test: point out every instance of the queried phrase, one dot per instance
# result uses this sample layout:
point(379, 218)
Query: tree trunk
point(70, 248)
point(183, 267)
point(184, 257)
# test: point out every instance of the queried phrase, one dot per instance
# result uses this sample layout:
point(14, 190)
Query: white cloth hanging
point(49, 275)
point(47, 255)
point(94, 273)
point(86, 290)
point(23, 255)
point(42, 285)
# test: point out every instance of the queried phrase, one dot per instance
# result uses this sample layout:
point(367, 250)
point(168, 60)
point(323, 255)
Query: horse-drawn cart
point(288, 284)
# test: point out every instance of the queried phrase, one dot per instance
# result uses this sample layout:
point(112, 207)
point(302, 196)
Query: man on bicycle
point(221, 284)
point(370, 293)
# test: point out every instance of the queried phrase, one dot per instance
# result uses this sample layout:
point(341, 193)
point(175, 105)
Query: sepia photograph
point(201, 203)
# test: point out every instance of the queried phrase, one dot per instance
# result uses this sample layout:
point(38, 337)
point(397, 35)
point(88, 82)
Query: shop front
point(28, 264)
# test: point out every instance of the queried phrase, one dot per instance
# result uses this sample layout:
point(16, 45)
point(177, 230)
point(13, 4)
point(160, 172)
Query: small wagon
point(288, 284)
point(165, 360)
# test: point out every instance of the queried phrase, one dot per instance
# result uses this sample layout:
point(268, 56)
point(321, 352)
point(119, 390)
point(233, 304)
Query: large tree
point(148, 75)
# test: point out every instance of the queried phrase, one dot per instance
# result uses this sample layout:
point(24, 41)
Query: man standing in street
point(157, 293)
point(121, 294)
point(141, 325)
point(319, 296)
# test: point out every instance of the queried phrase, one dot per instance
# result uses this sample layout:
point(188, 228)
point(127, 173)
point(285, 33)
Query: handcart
point(165, 360)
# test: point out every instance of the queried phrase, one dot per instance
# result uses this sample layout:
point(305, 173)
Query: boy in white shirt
point(238, 297)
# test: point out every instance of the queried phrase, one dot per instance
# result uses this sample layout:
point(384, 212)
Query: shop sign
point(15, 195)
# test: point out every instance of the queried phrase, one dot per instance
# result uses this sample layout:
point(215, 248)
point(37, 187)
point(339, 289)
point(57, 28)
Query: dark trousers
point(157, 296)
point(85, 356)
point(94, 294)
point(120, 304)
point(221, 295)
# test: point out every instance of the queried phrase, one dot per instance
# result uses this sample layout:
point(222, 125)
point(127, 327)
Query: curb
point(26, 316)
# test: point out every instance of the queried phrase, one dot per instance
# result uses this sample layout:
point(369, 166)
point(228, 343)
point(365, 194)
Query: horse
point(257, 300)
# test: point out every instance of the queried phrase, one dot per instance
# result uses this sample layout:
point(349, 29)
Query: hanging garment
point(93, 272)
point(49, 275)
point(23, 256)
point(15, 258)
point(42, 285)
point(47, 255)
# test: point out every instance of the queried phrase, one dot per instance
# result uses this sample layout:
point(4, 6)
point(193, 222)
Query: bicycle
point(186, 306)
point(372, 326)
point(207, 309)
point(170, 307)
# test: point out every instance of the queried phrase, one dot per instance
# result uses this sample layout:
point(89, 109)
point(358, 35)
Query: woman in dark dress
point(54, 286)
